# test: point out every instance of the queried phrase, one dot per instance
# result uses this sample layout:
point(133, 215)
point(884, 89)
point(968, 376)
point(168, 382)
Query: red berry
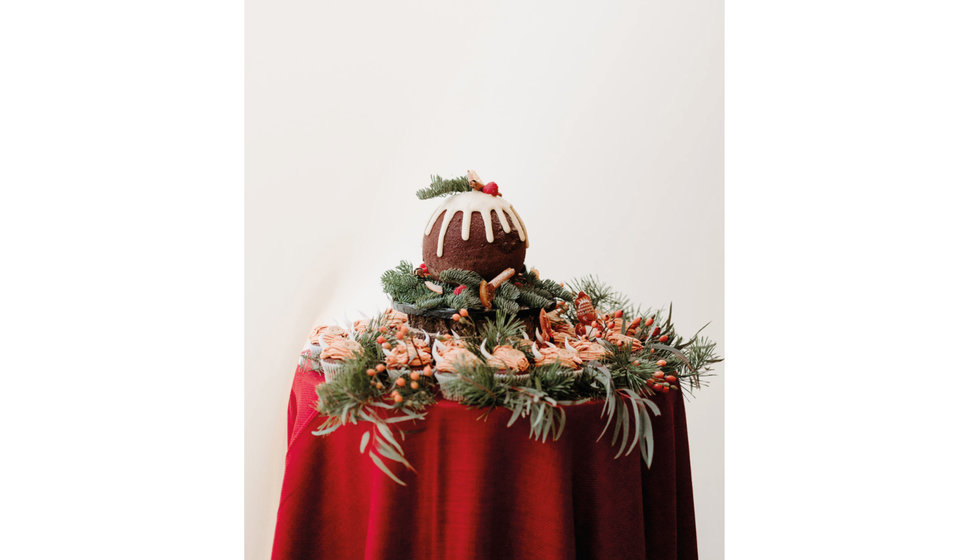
point(649, 321)
point(664, 338)
point(414, 385)
point(380, 367)
point(396, 396)
point(400, 382)
point(371, 373)
point(671, 378)
point(400, 335)
point(661, 363)
point(381, 340)
point(491, 189)
point(427, 371)
point(656, 331)
point(618, 314)
point(414, 375)
point(657, 386)
point(659, 374)
point(455, 316)
point(464, 313)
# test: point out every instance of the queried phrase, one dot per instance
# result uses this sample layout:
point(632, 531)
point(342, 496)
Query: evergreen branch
point(529, 298)
point(442, 187)
point(508, 291)
point(504, 304)
point(555, 289)
point(433, 302)
point(604, 298)
point(459, 276)
point(467, 299)
point(505, 328)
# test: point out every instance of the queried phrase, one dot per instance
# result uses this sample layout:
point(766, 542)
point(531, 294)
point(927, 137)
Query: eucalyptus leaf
point(647, 426)
point(624, 415)
point(637, 427)
point(561, 423)
point(386, 433)
point(389, 452)
point(380, 464)
point(515, 416)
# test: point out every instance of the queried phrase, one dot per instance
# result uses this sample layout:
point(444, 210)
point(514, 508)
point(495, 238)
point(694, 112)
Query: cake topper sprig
point(464, 183)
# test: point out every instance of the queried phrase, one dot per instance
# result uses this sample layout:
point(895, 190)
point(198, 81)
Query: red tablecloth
point(484, 490)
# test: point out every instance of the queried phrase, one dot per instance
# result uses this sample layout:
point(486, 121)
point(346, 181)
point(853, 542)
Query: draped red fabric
point(485, 491)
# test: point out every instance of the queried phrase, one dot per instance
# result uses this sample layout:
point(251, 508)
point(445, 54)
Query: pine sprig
point(554, 289)
point(443, 187)
point(604, 298)
point(505, 328)
point(402, 284)
point(467, 299)
point(477, 385)
point(459, 276)
point(529, 298)
point(629, 369)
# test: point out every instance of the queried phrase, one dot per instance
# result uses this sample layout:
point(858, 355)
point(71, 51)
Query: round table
point(484, 490)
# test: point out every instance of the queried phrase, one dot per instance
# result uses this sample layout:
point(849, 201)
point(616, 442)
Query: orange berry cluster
point(412, 383)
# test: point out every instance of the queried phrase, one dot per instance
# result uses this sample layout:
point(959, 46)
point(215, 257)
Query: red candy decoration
point(583, 309)
point(459, 289)
point(491, 189)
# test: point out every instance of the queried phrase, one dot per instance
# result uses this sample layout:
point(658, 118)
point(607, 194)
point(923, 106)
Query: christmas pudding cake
point(472, 323)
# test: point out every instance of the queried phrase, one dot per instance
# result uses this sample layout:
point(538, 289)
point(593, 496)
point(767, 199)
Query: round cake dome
point(475, 231)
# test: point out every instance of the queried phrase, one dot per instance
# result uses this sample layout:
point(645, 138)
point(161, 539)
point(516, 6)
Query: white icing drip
point(503, 221)
point(465, 230)
point(471, 202)
point(487, 226)
point(519, 224)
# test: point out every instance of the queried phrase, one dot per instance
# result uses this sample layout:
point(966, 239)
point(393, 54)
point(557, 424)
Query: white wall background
point(603, 125)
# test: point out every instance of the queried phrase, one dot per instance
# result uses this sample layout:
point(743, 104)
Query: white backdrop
point(602, 125)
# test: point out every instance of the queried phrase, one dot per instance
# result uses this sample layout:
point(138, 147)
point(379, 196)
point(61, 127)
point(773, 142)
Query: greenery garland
point(624, 378)
point(461, 289)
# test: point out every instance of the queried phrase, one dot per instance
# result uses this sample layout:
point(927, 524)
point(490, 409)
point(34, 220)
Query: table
point(485, 491)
